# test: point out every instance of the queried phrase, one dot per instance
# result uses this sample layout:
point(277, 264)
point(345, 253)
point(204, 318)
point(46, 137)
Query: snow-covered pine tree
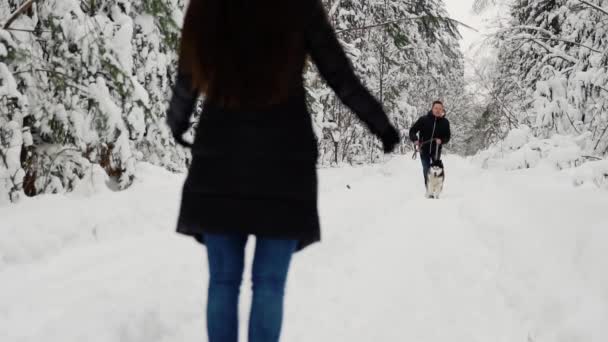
point(95, 77)
point(12, 102)
point(552, 54)
point(88, 83)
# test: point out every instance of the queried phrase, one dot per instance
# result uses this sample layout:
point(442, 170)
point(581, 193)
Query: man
point(429, 134)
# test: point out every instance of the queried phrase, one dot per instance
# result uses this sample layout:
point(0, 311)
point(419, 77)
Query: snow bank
point(504, 256)
point(595, 173)
point(94, 182)
point(548, 241)
point(41, 226)
point(522, 150)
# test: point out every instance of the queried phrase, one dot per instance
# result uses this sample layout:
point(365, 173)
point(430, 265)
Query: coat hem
point(198, 235)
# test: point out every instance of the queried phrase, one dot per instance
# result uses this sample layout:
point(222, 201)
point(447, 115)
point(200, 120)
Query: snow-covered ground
point(513, 256)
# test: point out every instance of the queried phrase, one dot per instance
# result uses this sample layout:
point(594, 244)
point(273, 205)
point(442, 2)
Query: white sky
point(475, 52)
point(462, 11)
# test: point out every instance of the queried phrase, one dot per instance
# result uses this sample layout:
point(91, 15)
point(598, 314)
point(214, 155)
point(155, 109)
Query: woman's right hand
point(179, 138)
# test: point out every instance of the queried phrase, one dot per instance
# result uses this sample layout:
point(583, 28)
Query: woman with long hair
point(254, 158)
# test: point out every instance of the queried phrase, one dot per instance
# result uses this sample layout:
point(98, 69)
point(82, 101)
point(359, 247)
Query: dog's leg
point(439, 190)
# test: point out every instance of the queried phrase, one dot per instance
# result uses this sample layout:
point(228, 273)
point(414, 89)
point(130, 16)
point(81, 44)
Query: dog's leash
point(437, 152)
point(417, 148)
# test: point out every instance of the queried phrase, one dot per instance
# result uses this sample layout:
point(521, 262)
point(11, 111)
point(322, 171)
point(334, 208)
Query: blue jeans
point(226, 254)
point(426, 165)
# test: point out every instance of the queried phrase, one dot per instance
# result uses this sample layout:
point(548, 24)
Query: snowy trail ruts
point(393, 266)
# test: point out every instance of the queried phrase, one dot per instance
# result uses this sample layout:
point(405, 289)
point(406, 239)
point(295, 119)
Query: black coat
point(254, 171)
point(428, 128)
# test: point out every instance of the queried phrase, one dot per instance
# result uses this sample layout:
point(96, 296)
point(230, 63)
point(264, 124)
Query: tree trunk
point(336, 145)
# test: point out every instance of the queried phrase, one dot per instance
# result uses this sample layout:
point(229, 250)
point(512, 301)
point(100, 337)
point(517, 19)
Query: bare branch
point(375, 25)
point(402, 20)
point(522, 28)
point(509, 114)
point(594, 6)
point(54, 72)
point(25, 30)
point(334, 8)
point(597, 144)
point(462, 24)
point(24, 7)
point(554, 52)
point(551, 36)
point(558, 40)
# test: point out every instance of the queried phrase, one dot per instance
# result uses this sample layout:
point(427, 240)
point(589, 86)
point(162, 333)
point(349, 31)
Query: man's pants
point(426, 165)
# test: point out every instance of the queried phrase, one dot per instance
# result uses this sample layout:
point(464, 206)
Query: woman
point(253, 170)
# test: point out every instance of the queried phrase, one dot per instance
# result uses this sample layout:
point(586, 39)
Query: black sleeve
point(336, 69)
point(182, 105)
point(448, 133)
point(415, 129)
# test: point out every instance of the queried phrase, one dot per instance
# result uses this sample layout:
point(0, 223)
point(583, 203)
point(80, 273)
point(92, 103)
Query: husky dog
point(436, 177)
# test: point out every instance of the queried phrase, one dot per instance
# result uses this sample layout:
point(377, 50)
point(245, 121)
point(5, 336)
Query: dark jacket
point(428, 128)
point(254, 171)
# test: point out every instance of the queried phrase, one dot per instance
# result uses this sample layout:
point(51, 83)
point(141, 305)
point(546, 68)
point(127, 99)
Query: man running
point(429, 134)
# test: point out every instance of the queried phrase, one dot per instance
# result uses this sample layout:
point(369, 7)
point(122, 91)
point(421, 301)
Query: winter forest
point(85, 84)
point(516, 250)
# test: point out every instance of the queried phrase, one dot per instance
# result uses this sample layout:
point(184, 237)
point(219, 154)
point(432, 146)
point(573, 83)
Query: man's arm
point(414, 130)
point(448, 133)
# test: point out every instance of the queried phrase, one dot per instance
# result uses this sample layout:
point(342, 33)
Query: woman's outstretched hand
point(390, 139)
point(179, 138)
point(177, 130)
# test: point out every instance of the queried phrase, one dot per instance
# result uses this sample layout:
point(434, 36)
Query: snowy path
point(517, 256)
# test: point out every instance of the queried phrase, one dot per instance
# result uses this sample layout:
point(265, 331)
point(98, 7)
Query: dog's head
point(436, 169)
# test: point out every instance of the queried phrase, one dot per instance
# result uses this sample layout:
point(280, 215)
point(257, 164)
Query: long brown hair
point(242, 52)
